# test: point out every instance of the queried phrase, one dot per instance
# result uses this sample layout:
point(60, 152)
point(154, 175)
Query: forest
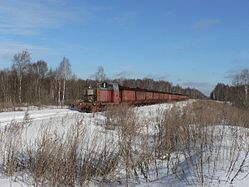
point(237, 93)
point(35, 83)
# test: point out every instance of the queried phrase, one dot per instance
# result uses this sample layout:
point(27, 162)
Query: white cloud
point(123, 75)
point(206, 23)
point(9, 47)
point(29, 17)
point(157, 77)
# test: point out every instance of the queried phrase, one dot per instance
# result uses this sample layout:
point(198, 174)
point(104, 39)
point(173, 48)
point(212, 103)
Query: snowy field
point(222, 161)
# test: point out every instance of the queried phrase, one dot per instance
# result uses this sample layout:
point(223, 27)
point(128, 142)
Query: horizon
point(193, 44)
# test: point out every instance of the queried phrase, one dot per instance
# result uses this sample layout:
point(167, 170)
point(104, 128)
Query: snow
point(226, 150)
point(5, 182)
point(7, 117)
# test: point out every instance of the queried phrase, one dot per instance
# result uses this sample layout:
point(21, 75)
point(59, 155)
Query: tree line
point(33, 82)
point(237, 93)
point(27, 82)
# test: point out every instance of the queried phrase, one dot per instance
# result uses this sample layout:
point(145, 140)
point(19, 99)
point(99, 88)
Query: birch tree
point(4, 86)
point(20, 61)
point(100, 74)
point(242, 79)
point(40, 69)
point(65, 74)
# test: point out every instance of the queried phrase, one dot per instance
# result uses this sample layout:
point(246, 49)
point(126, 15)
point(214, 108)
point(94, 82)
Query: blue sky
point(194, 43)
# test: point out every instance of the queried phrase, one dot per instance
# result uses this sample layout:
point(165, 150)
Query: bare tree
point(244, 77)
point(65, 74)
point(4, 86)
point(20, 61)
point(241, 87)
point(40, 68)
point(100, 74)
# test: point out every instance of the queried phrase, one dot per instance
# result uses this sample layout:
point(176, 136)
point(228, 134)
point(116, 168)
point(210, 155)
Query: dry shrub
point(123, 119)
point(195, 134)
point(116, 115)
point(127, 133)
point(188, 139)
point(220, 113)
point(66, 161)
point(6, 106)
point(10, 144)
point(55, 159)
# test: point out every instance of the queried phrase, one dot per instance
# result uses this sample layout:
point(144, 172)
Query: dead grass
point(187, 141)
point(53, 159)
point(196, 135)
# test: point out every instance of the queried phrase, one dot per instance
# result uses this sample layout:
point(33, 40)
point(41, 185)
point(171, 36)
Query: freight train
point(107, 94)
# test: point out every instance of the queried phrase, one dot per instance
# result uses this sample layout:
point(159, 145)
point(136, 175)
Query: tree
point(65, 73)
point(242, 79)
point(20, 62)
point(39, 69)
point(238, 93)
point(5, 94)
point(100, 74)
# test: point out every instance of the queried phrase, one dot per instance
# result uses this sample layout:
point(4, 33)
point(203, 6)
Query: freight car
point(113, 94)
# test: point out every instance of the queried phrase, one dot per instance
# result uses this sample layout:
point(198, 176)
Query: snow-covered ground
point(225, 160)
point(36, 115)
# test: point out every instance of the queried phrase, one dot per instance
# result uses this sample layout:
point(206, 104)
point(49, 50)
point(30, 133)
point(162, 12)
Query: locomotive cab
point(108, 93)
point(103, 93)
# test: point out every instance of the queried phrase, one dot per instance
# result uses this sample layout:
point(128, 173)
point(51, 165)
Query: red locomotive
point(113, 94)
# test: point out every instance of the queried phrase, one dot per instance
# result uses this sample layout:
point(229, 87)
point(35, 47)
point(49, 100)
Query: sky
point(192, 43)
